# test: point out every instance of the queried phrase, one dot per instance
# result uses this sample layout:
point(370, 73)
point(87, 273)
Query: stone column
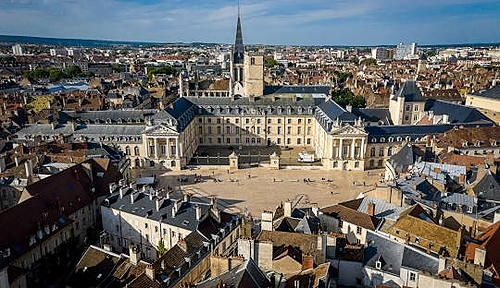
point(353, 148)
point(362, 155)
point(177, 147)
point(156, 148)
point(180, 149)
point(168, 147)
point(340, 149)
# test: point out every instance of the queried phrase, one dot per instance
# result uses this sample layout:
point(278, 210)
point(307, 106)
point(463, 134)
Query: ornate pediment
point(349, 130)
point(161, 130)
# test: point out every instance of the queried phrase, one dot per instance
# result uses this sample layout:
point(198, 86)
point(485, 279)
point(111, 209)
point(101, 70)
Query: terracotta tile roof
point(461, 160)
point(455, 138)
point(488, 241)
point(418, 229)
point(350, 215)
point(306, 243)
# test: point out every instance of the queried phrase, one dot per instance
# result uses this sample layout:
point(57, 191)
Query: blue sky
point(307, 22)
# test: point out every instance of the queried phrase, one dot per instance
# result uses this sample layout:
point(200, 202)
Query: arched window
point(136, 151)
point(372, 152)
point(389, 151)
point(127, 150)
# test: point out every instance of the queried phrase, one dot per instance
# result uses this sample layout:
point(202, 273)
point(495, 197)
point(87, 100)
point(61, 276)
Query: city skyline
point(280, 22)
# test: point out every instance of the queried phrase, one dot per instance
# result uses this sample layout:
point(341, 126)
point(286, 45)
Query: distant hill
point(87, 42)
point(109, 43)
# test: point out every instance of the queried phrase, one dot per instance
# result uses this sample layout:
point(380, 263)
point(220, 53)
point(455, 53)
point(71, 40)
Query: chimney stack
point(122, 192)
point(370, 210)
point(348, 108)
point(187, 198)
point(28, 165)
point(307, 262)
point(132, 198)
point(135, 255)
point(287, 208)
point(197, 209)
point(159, 203)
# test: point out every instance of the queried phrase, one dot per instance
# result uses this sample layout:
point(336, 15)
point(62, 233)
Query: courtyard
point(250, 191)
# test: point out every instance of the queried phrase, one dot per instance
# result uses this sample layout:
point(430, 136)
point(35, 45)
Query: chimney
point(307, 262)
point(151, 194)
point(29, 168)
point(348, 108)
point(135, 255)
point(132, 198)
point(106, 247)
point(159, 203)
point(80, 102)
point(53, 125)
point(175, 208)
point(287, 208)
point(446, 119)
point(197, 209)
point(73, 126)
point(187, 198)
point(150, 272)
point(16, 159)
point(122, 191)
point(213, 201)
point(370, 210)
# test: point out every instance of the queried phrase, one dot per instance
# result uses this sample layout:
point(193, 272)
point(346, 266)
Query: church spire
point(239, 48)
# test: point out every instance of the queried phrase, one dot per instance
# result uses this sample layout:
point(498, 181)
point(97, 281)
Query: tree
point(346, 97)
point(270, 62)
point(74, 71)
point(368, 62)
point(161, 248)
point(342, 76)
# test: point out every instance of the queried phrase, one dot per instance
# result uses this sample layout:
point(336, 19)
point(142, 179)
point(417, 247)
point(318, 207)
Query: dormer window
point(464, 144)
point(382, 139)
point(477, 143)
point(378, 264)
point(374, 140)
point(390, 139)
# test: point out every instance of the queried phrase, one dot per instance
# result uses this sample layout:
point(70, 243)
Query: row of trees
point(346, 97)
point(167, 70)
point(56, 74)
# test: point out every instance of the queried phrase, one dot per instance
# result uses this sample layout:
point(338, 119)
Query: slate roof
point(410, 91)
point(246, 275)
point(394, 256)
point(412, 131)
point(374, 115)
point(487, 188)
point(493, 92)
point(144, 207)
point(402, 159)
point(88, 130)
point(114, 115)
point(93, 268)
point(319, 90)
point(457, 113)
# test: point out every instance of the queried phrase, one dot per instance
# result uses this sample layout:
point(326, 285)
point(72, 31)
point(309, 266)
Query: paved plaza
point(257, 189)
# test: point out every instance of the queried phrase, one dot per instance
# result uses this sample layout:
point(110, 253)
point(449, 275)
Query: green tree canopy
point(271, 62)
point(368, 62)
point(342, 76)
point(346, 97)
point(167, 69)
point(161, 248)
